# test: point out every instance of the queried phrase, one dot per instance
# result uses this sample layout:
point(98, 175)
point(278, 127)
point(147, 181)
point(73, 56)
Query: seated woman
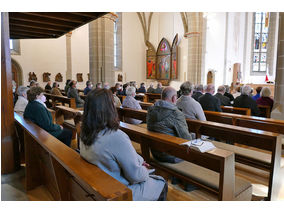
point(265, 98)
point(37, 112)
point(109, 148)
point(190, 107)
point(131, 102)
point(55, 89)
point(116, 99)
point(22, 101)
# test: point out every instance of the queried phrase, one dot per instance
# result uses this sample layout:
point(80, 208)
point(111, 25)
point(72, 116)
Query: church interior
point(223, 49)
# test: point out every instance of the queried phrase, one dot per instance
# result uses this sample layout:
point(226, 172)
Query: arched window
point(261, 34)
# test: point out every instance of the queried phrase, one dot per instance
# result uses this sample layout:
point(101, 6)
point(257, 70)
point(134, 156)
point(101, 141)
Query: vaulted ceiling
point(35, 25)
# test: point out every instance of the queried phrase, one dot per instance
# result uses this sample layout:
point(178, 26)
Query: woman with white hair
point(246, 101)
point(22, 101)
point(265, 98)
point(131, 102)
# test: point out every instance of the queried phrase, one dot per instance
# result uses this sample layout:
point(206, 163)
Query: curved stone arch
point(19, 71)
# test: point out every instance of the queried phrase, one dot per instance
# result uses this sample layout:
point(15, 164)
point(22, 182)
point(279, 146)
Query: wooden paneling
point(9, 150)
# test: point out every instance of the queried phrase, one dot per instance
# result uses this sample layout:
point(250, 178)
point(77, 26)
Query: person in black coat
point(48, 86)
point(245, 101)
point(228, 94)
point(198, 92)
point(208, 101)
point(142, 88)
point(37, 112)
point(225, 101)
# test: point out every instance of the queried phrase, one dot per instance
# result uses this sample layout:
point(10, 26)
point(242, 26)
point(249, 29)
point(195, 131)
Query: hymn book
point(200, 145)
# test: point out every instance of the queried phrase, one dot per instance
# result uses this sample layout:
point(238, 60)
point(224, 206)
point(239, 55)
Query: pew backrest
point(218, 160)
point(61, 99)
point(236, 110)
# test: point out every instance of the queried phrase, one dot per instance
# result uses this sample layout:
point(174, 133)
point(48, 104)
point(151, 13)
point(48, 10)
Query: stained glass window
point(261, 29)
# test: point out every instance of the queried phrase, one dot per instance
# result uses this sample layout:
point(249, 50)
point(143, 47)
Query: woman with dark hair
point(37, 112)
point(104, 145)
point(116, 99)
point(55, 89)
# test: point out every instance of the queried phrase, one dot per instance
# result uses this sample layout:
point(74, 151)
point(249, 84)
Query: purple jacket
point(266, 101)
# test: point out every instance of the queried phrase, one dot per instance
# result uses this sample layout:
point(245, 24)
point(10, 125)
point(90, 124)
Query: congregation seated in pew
point(73, 93)
point(198, 92)
point(131, 102)
point(208, 101)
point(22, 101)
point(246, 101)
point(116, 157)
point(116, 99)
point(264, 98)
point(55, 89)
point(36, 111)
point(88, 88)
point(159, 88)
point(151, 88)
point(228, 94)
point(48, 86)
point(66, 88)
point(190, 107)
point(165, 117)
point(225, 101)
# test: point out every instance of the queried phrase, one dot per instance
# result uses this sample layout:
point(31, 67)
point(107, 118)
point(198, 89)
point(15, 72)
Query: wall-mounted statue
point(45, 76)
point(88, 76)
point(80, 77)
point(119, 77)
point(58, 77)
point(32, 76)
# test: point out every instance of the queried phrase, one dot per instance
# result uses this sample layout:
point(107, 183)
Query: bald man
point(208, 101)
point(165, 117)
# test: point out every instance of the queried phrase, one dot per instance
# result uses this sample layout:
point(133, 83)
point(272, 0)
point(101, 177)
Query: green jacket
point(38, 114)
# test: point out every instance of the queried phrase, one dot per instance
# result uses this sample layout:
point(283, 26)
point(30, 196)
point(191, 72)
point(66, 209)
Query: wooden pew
point(265, 111)
point(217, 160)
point(152, 97)
point(236, 110)
point(66, 175)
point(60, 99)
point(261, 140)
point(145, 105)
point(70, 118)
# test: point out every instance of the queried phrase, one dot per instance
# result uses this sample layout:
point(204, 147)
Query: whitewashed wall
point(80, 54)
point(42, 55)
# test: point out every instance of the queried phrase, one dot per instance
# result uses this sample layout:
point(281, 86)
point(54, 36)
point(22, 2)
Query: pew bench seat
point(243, 188)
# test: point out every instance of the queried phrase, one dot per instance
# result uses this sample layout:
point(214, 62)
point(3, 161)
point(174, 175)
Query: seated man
point(208, 101)
point(165, 117)
point(190, 107)
point(88, 88)
point(198, 92)
point(142, 88)
point(228, 94)
point(151, 88)
point(48, 86)
point(225, 101)
point(245, 101)
point(159, 88)
point(73, 93)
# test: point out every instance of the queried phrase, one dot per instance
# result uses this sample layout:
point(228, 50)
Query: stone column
point(68, 57)
point(195, 45)
point(101, 49)
point(278, 109)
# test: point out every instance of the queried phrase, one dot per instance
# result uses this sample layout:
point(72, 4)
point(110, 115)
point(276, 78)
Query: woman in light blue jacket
point(104, 145)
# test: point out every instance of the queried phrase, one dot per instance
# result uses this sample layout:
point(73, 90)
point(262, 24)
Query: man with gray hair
point(208, 101)
point(190, 107)
point(245, 101)
point(225, 101)
point(228, 94)
point(22, 101)
point(165, 117)
point(198, 92)
point(159, 88)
